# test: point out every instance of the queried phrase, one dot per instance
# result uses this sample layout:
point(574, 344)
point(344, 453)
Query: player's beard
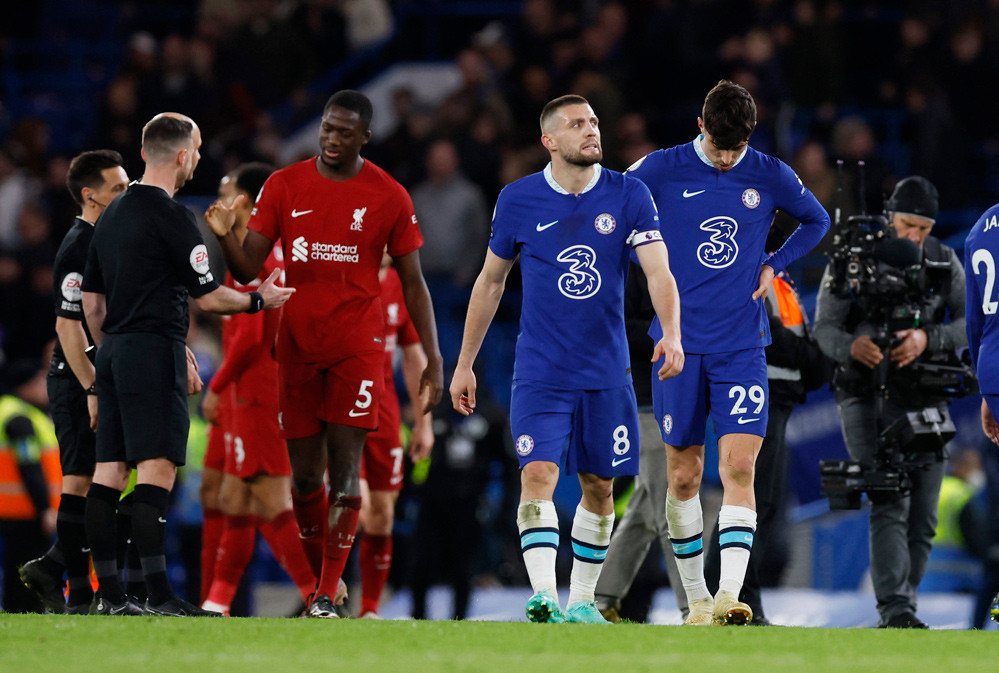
point(577, 158)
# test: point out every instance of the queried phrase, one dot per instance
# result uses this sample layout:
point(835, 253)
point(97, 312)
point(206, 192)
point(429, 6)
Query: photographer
point(860, 330)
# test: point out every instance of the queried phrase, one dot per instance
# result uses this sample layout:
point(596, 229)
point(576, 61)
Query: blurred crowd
point(902, 86)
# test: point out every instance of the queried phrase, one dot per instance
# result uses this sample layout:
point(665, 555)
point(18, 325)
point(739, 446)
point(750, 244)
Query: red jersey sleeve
point(253, 337)
point(407, 333)
point(405, 236)
point(265, 219)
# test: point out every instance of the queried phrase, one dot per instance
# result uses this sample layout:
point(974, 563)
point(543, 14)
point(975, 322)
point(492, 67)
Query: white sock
point(591, 534)
point(538, 524)
point(685, 522)
point(736, 526)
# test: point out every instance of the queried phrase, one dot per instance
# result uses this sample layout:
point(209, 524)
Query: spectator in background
point(853, 141)
point(453, 216)
point(16, 190)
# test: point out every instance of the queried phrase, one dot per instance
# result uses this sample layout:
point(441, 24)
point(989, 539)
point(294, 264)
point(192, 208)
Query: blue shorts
point(731, 387)
point(596, 430)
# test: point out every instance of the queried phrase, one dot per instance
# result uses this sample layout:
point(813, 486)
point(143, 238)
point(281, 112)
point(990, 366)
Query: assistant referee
point(147, 257)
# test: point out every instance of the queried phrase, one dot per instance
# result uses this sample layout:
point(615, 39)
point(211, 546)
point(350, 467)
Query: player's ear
point(549, 142)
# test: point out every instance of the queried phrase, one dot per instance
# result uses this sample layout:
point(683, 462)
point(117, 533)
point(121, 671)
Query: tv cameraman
point(902, 524)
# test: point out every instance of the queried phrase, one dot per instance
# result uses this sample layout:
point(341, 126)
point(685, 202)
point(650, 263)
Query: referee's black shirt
point(146, 257)
point(70, 262)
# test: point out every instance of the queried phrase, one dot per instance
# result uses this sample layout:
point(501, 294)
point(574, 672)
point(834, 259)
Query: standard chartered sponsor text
point(334, 252)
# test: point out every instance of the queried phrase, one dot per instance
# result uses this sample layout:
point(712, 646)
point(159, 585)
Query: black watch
point(92, 390)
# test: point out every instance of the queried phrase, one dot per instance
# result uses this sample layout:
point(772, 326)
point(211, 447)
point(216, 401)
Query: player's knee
point(684, 482)
point(538, 477)
point(308, 482)
point(741, 470)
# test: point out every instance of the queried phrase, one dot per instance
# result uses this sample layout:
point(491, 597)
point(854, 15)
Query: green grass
point(64, 644)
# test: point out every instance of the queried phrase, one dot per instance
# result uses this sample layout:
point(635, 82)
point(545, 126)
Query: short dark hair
point(553, 106)
point(355, 101)
point(250, 178)
point(86, 170)
point(163, 136)
point(729, 114)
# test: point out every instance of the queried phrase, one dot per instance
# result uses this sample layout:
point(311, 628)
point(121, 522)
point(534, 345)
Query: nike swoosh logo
point(161, 520)
point(743, 421)
point(299, 213)
point(687, 194)
point(344, 546)
point(352, 414)
point(542, 227)
point(618, 461)
point(85, 550)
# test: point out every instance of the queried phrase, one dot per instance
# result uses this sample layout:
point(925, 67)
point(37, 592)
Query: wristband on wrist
point(256, 302)
point(92, 390)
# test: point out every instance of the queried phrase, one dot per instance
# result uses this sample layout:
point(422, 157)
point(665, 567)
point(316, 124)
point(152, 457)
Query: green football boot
point(584, 612)
point(544, 607)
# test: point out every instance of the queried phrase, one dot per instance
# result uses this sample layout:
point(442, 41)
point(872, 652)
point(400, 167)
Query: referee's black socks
point(102, 503)
point(149, 508)
point(72, 529)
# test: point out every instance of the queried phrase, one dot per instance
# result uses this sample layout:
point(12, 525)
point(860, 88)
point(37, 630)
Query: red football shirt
point(247, 341)
point(333, 234)
point(399, 329)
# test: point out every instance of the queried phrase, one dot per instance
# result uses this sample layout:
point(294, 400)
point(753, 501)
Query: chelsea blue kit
point(715, 225)
point(981, 253)
point(572, 372)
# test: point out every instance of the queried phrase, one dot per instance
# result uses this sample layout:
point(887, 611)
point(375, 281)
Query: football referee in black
point(94, 179)
point(146, 258)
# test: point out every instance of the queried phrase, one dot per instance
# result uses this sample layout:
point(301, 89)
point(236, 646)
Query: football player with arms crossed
point(718, 197)
point(381, 468)
point(981, 252)
point(146, 258)
point(574, 226)
point(255, 491)
point(94, 179)
point(334, 214)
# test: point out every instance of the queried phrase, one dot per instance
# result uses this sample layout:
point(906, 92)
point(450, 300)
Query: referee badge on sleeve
point(199, 259)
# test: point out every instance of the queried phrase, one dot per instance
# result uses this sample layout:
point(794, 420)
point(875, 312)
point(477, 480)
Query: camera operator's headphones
point(914, 195)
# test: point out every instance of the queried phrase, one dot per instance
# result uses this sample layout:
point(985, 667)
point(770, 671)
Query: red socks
point(311, 513)
point(343, 515)
point(375, 562)
point(282, 537)
point(211, 534)
point(235, 552)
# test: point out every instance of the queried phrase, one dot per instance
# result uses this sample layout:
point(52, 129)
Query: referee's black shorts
point(141, 399)
point(68, 406)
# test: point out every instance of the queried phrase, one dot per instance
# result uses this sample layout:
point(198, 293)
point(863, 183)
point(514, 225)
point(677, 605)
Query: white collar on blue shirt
point(558, 188)
point(704, 157)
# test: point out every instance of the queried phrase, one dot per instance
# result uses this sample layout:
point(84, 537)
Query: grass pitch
point(67, 644)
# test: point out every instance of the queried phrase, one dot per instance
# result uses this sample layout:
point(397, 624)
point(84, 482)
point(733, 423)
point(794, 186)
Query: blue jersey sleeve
point(643, 216)
point(797, 201)
point(502, 236)
point(973, 306)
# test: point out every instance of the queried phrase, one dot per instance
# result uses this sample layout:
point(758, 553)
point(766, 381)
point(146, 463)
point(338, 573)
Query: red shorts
point(381, 463)
point(347, 392)
point(215, 451)
point(254, 443)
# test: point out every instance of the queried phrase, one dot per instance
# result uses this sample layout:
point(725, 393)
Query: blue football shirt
point(981, 253)
point(715, 225)
point(574, 255)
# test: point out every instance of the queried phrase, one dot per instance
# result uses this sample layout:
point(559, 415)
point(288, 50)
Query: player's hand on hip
point(92, 410)
point(989, 425)
point(766, 278)
point(866, 352)
point(671, 352)
point(221, 219)
point(463, 386)
point(274, 295)
point(431, 384)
